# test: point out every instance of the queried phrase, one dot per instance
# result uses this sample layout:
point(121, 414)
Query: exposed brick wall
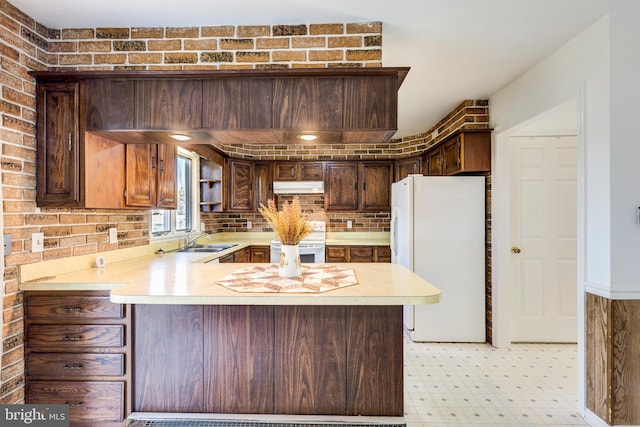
point(312, 206)
point(469, 114)
point(26, 45)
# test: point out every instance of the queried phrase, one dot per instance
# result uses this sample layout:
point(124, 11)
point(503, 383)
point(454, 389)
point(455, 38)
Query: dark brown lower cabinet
point(168, 361)
point(77, 352)
point(326, 360)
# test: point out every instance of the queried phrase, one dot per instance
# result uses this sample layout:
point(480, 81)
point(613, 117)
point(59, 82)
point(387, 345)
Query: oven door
point(310, 253)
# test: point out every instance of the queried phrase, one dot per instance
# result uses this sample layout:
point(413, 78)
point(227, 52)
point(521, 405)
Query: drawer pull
point(76, 366)
point(72, 309)
point(74, 403)
point(78, 338)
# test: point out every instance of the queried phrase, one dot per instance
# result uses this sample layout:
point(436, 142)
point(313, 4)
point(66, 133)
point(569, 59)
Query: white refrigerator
point(438, 231)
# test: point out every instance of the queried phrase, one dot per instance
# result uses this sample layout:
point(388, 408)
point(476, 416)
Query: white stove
point(311, 247)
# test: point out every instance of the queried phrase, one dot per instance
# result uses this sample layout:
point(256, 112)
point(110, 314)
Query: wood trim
point(612, 354)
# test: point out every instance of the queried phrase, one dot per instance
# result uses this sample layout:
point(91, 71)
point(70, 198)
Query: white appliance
point(438, 231)
point(311, 247)
point(298, 187)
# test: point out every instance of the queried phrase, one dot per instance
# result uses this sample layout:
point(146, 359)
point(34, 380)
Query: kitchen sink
point(208, 248)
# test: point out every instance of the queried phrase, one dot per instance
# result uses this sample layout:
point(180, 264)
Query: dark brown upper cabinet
point(341, 186)
point(237, 103)
point(307, 104)
point(370, 105)
point(263, 183)
point(376, 181)
point(406, 167)
point(466, 151)
point(151, 175)
point(298, 171)
point(173, 104)
point(240, 185)
point(342, 105)
point(363, 186)
point(58, 143)
point(110, 104)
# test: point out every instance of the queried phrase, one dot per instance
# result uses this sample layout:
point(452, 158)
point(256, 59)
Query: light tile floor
point(478, 385)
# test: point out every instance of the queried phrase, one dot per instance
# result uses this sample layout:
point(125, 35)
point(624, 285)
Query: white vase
point(290, 261)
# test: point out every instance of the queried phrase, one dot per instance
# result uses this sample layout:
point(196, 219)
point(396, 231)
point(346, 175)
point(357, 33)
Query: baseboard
point(165, 419)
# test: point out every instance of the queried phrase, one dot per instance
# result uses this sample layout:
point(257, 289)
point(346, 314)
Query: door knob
point(515, 250)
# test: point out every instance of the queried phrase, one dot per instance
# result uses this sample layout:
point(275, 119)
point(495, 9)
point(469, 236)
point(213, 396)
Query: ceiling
point(457, 49)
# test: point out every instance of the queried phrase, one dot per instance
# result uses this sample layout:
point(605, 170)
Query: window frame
point(195, 204)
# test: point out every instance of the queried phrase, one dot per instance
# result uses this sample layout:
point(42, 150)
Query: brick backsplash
point(312, 206)
point(26, 45)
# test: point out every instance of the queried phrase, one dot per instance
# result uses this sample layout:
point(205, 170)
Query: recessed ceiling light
point(307, 137)
point(180, 137)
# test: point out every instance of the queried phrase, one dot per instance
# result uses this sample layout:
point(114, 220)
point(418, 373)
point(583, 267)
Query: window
point(172, 223)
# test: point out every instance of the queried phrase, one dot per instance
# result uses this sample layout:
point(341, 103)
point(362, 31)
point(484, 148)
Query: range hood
point(298, 187)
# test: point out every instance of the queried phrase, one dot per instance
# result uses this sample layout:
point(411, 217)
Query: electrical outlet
point(113, 235)
point(349, 224)
point(7, 244)
point(37, 242)
point(249, 225)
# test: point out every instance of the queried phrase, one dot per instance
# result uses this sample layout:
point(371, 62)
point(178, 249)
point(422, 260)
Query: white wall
point(625, 153)
point(578, 69)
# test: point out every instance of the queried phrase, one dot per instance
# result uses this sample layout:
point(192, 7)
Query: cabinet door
point(311, 171)
point(58, 143)
point(168, 363)
point(307, 103)
point(241, 255)
point(109, 104)
point(260, 253)
point(166, 169)
point(376, 186)
point(451, 151)
point(286, 171)
point(141, 162)
point(263, 184)
point(342, 186)
point(168, 104)
point(236, 103)
point(408, 167)
point(240, 185)
point(372, 102)
point(434, 162)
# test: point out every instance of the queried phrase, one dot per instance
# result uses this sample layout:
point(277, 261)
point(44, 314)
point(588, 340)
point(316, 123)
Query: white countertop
point(183, 278)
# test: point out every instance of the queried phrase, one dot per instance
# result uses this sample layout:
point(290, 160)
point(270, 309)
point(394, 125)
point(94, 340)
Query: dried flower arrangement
point(288, 224)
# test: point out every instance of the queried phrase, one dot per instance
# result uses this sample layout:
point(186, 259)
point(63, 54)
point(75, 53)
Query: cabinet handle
point(71, 309)
point(154, 160)
point(75, 367)
point(74, 403)
point(68, 338)
point(162, 165)
point(70, 140)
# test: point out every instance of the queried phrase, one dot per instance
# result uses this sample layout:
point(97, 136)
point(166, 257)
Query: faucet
point(191, 240)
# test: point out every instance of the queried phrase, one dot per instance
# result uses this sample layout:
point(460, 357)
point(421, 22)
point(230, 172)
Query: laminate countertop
point(186, 278)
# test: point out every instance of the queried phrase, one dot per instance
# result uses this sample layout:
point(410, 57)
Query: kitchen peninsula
point(202, 348)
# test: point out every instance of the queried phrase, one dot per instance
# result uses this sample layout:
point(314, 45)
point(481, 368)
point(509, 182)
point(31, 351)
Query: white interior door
point(544, 231)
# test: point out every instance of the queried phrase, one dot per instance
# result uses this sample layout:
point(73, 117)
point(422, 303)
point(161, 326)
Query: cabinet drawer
point(336, 254)
point(88, 401)
point(74, 365)
point(361, 254)
point(70, 307)
point(75, 335)
point(384, 254)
